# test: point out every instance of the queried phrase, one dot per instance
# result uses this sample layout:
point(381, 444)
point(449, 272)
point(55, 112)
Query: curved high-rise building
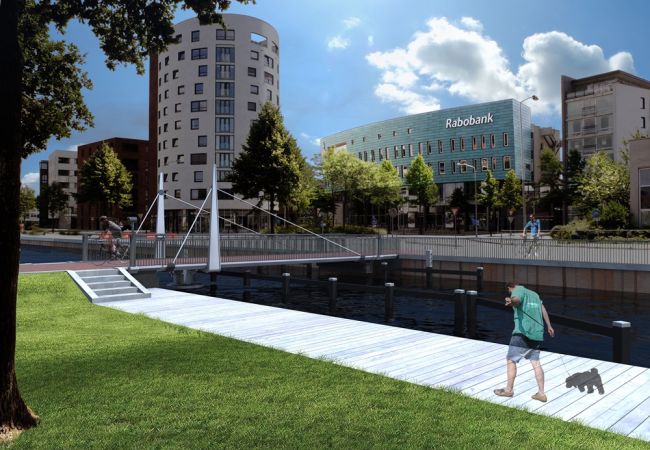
point(205, 91)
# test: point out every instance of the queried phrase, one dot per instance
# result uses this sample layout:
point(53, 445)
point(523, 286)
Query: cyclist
point(535, 229)
point(110, 231)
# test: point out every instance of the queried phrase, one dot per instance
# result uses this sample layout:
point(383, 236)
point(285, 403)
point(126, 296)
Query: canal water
point(35, 254)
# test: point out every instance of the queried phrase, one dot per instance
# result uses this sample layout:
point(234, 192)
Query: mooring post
point(479, 279)
point(247, 285)
point(84, 247)
point(471, 313)
point(332, 294)
point(384, 267)
point(389, 315)
point(285, 287)
point(308, 272)
point(429, 268)
point(459, 312)
point(213, 283)
point(133, 243)
point(622, 334)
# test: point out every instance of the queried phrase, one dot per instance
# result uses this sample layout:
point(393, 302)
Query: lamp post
point(523, 161)
point(475, 199)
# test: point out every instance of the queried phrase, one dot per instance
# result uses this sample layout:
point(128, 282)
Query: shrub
point(576, 229)
point(614, 215)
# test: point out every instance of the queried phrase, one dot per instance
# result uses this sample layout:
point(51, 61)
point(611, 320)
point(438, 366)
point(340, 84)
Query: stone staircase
point(107, 285)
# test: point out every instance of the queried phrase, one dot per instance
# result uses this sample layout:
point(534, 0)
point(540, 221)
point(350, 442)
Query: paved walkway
point(475, 368)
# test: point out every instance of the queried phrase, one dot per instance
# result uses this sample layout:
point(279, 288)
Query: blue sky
point(349, 62)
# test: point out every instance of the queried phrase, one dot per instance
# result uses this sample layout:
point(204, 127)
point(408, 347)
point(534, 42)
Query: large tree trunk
point(14, 414)
point(271, 207)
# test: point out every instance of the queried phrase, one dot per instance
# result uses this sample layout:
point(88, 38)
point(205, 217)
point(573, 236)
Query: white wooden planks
point(472, 367)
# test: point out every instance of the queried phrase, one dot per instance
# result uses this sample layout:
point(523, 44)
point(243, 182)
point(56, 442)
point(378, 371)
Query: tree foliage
point(603, 180)
point(573, 173)
point(55, 200)
point(128, 33)
point(488, 194)
point(270, 161)
point(509, 196)
point(105, 181)
point(27, 201)
point(386, 187)
point(420, 182)
point(342, 174)
point(458, 199)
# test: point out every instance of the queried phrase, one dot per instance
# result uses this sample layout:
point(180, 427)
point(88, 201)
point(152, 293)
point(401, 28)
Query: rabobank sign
point(469, 121)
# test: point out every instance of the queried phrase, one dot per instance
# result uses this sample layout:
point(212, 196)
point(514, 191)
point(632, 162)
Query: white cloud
point(72, 148)
point(30, 179)
point(351, 22)
point(311, 139)
point(371, 40)
point(338, 43)
point(467, 63)
point(471, 23)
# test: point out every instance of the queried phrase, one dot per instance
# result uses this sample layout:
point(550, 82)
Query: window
point(396, 152)
point(226, 54)
point(181, 89)
point(252, 72)
point(506, 163)
point(494, 163)
point(452, 145)
point(493, 141)
point(403, 148)
point(453, 166)
point(166, 93)
point(410, 149)
point(62, 160)
point(164, 144)
point(199, 105)
point(225, 107)
point(378, 136)
point(462, 144)
point(439, 146)
point(252, 106)
point(268, 78)
point(484, 164)
point(159, 98)
point(269, 97)
point(174, 142)
point(181, 56)
point(372, 155)
point(175, 74)
point(180, 159)
point(225, 142)
point(165, 161)
point(225, 125)
point(268, 61)
point(394, 133)
point(225, 35)
point(420, 148)
point(165, 111)
point(255, 55)
point(202, 141)
point(441, 168)
point(642, 122)
point(200, 53)
point(428, 147)
point(177, 107)
point(198, 194)
point(166, 77)
point(365, 156)
point(197, 159)
point(198, 176)
point(474, 143)
point(179, 38)
point(360, 155)
point(194, 124)
point(225, 89)
point(505, 139)
point(196, 35)
point(483, 142)
point(203, 71)
point(64, 173)
point(177, 125)
point(409, 130)
point(642, 102)
point(225, 72)
point(166, 61)
point(177, 193)
point(463, 166)
point(198, 88)
point(174, 176)
point(255, 89)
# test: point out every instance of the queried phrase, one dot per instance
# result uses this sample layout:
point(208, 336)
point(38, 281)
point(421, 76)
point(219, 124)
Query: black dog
point(589, 380)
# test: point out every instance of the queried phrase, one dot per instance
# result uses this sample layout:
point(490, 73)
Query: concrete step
point(103, 279)
point(120, 297)
point(109, 284)
point(97, 272)
point(115, 290)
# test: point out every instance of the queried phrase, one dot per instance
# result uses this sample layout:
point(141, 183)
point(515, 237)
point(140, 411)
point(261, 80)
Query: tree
point(489, 195)
point(27, 201)
point(270, 161)
point(55, 200)
point(551, 177)
point(572, 174)
point(105, 181)
point(420, 181)
point(342, 173)
point(128, 32)
point(386, 190)
point(603, 180)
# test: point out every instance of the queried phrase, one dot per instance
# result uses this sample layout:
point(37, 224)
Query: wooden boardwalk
point(472, 367)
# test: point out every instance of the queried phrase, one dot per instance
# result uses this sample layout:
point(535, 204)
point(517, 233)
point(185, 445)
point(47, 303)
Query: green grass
point(105, 379)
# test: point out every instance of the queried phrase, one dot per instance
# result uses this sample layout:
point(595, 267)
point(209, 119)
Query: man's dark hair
point(511, 284)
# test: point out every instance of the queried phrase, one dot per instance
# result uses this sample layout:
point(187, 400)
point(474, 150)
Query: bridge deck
point(472, 367)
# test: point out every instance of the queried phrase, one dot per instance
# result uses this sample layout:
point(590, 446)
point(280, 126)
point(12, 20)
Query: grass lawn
point(101, 378)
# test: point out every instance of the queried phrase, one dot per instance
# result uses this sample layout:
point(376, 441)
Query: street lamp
point(475, 199)
point(523, 161)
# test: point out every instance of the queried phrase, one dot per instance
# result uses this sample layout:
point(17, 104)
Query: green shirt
point(528, 314)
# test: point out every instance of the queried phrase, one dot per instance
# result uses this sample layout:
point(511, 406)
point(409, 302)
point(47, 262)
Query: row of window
point(401, 150)
point(225, 107)
point(224, 160)
point(222, 142)
point(221, 87)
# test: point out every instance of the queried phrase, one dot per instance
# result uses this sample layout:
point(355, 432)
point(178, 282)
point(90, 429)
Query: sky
point(346, 63)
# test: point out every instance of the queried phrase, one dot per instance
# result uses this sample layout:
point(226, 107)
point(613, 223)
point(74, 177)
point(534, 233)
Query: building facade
point(601, 112)
point(492, 136)
point(205, 91)
point(60, 167)
point(640, 182)
point(140, 160)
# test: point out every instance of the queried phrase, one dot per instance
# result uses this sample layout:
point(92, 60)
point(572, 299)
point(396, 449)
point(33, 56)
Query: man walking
point(527, 337)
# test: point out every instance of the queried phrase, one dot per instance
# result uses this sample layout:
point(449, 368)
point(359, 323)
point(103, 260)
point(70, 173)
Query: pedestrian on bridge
point(527, 337)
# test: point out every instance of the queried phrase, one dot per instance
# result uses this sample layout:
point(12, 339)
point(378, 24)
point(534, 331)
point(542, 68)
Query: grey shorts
point(522, 347)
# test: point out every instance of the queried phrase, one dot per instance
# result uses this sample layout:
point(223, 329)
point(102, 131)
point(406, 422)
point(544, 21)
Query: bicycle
point(113, 249)
point(533, 248)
